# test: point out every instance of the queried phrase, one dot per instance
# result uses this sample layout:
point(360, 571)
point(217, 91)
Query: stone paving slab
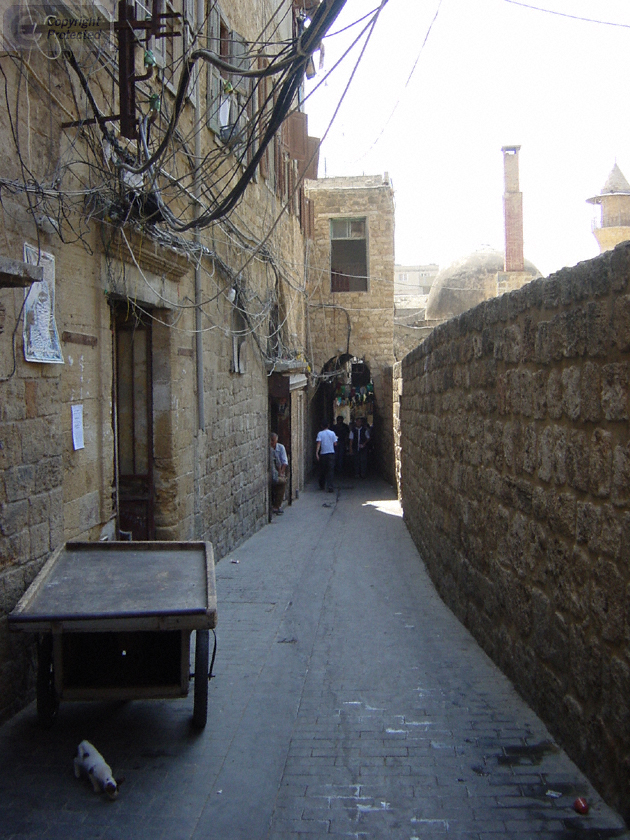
point(347, 702)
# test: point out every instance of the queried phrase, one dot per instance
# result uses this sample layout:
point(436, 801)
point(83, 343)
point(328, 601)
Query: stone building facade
point(351, 289)
point(147, 414)
point(516, 488)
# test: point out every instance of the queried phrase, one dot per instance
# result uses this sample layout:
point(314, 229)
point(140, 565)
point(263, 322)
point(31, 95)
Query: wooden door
point(134, 425)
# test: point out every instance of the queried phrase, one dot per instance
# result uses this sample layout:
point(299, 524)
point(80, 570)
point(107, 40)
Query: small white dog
point(91, 762)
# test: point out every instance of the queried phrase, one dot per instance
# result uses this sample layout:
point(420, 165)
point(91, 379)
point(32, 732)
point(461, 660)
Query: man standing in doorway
point(325, 455)
point(359, 439)
point(278, 463)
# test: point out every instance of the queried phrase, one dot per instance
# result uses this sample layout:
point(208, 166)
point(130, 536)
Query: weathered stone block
point(608, 601)
point(615, 391)
point(20, 482)
point(542, 344)
point(620, 474)
point(621, 323)
point(539, 394)
point(10, 445)
point(600, 463)
point(13, 406)
point(620, 267)
point(598, 329)
point(589, 525)
point(551, 292)
point(577, 460)
point(545, 454)
point(14, 548)
point(39, 541)
point(554, 394)
point(598, 274)
point(590, 393)
point(611, 532)
point(571, 392)
point(560, 456)
point(530, 449)
point(13, 517)
point(39, 508)
point(562, 513)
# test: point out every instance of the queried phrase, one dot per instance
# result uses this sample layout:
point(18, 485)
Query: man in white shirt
point(325, 455)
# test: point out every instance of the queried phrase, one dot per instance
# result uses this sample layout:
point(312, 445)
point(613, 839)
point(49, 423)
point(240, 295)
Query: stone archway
point(346, 390)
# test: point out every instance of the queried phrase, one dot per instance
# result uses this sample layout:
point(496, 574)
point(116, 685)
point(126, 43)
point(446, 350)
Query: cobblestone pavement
point(347, 702)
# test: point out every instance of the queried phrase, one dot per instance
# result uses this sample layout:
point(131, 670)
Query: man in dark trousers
point(342, 430)
point(359, 439)
point(325, 455)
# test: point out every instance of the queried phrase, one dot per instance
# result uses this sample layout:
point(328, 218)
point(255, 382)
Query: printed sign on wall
point(41, 339)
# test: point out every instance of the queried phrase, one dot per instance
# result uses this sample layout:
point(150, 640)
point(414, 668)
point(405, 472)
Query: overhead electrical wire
point(567, 15)
point(110, 155)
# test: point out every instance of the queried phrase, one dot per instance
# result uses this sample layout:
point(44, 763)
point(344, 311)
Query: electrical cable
point(566, 15)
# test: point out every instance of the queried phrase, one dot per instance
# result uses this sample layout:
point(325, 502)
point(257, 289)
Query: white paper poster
point(41, 339)
point(77, 427)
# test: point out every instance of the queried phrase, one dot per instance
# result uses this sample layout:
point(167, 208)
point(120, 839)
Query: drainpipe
point(200, 16)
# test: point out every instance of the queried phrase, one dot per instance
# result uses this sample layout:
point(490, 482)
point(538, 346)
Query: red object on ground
point(580, 805)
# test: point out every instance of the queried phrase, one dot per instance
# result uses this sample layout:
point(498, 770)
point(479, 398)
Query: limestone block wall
point(209, 483)
point(31, 491)
point(516, 489)
point(397, 384)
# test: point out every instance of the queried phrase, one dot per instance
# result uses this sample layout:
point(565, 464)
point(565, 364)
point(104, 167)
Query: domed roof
point(466, 283)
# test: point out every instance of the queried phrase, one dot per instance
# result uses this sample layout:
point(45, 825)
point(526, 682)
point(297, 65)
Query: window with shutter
point(169, 51)
point(311, 163)
point(297, 135)
point(348, 255)
point(241, 104)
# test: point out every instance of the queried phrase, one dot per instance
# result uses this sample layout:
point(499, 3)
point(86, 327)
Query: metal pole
point(200, 15)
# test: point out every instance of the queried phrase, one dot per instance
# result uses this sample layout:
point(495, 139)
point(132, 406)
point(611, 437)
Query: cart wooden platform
point(114, 621)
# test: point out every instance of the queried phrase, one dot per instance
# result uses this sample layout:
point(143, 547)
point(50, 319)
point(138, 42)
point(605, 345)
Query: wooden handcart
point(114, 621)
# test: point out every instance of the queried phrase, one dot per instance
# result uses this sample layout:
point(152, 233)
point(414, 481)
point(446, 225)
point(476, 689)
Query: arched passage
point(346, 390)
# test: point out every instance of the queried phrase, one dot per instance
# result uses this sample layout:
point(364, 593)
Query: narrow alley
point(347, 702)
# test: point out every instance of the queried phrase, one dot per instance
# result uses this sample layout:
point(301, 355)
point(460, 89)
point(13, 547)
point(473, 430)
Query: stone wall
point(516, 489)
point(210, 473)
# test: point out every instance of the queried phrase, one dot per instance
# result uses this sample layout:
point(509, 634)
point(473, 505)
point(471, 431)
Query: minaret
point(614, 200)
point(513, 211)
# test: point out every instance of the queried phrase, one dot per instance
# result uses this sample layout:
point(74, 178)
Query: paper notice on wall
point(77, 427)
point(41, 339)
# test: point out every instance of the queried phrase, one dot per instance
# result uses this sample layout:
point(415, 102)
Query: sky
point(491, 73)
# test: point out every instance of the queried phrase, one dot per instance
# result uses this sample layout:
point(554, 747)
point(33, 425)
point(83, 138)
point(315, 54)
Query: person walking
point(279, 463)
point(359, 439)
point(342, 430)
point(325, 455)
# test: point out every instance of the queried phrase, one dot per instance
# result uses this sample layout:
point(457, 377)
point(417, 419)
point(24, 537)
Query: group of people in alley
point(334, 445)
point(335, 448)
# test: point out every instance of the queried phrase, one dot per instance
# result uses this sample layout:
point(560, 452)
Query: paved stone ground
point(348, 702)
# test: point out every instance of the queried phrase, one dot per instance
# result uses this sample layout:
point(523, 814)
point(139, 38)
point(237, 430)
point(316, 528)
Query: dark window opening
point(348, 255)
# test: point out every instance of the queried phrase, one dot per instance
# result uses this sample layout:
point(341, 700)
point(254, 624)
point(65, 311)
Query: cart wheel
point(47, 699)
point(202, 652)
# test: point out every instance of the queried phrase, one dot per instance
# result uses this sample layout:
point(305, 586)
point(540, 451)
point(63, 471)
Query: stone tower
point(614, 200)
point(513, 211)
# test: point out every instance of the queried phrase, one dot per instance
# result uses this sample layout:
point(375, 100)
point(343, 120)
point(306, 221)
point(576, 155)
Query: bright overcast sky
point(492, 73)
